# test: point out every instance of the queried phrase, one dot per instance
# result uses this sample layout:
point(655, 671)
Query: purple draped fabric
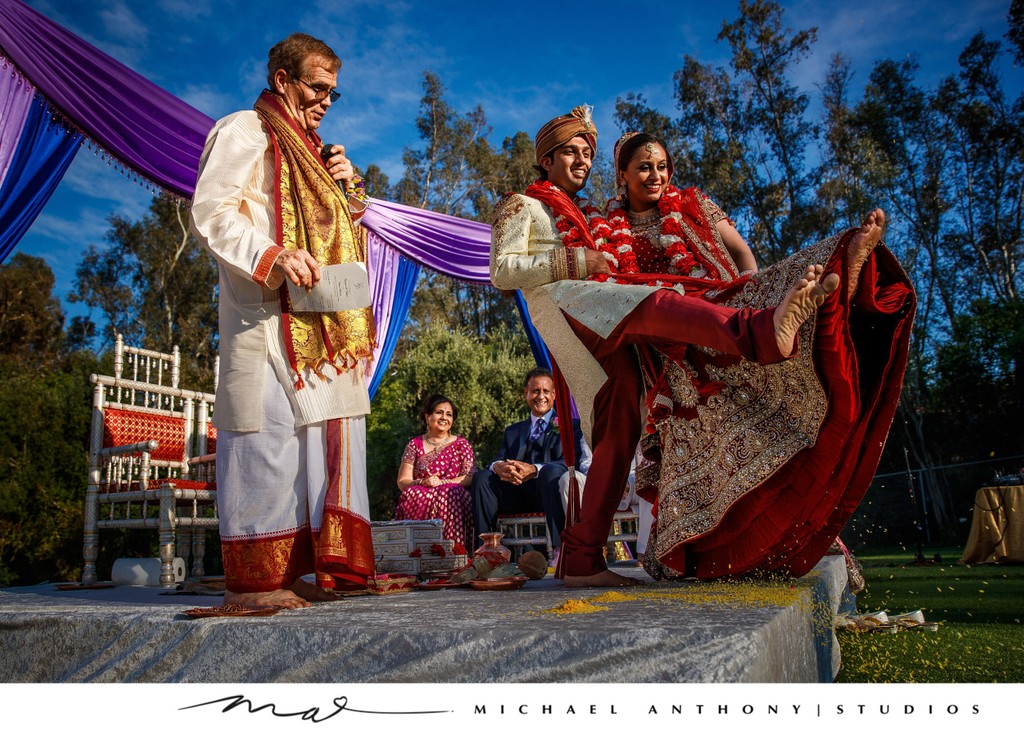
point(458, 248)
point(382, 264)
point(16, 95)
point(146, 128)
point(391, 299)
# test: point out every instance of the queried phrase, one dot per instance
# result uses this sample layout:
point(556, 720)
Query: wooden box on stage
point(414, 547)
point(406, 534)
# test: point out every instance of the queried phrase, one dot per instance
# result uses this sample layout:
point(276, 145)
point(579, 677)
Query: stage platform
point(678, 632)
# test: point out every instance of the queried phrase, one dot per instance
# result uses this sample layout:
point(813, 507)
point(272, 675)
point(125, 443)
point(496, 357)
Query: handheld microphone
point(325, 155)
point(355, 187)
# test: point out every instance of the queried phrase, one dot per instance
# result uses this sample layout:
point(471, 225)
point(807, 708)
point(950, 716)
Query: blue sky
point(523, 62)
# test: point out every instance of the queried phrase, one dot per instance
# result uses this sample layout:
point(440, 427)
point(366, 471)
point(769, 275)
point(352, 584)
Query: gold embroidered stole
point(312, 215)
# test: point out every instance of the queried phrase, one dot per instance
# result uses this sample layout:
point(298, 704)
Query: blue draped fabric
point(537, 346)
point(43, 154)
point(405, 286)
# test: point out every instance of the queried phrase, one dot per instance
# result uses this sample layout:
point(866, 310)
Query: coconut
point(533, 564)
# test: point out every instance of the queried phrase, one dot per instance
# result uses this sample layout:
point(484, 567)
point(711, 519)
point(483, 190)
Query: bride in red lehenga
point(754, 468)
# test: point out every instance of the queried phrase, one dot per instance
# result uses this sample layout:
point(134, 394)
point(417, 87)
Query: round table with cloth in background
point(997, 526)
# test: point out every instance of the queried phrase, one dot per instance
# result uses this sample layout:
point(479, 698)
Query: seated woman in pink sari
point(435, 472)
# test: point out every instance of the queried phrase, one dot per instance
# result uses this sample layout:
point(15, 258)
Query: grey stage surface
point(778, 632)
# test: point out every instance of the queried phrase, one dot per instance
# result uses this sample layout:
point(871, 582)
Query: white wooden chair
point(145, 431)
point(522, 532)
point(625, 527)
point(530, 530)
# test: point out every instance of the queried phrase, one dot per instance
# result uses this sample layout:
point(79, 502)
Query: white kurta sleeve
point(221, 217)
point(518, 259)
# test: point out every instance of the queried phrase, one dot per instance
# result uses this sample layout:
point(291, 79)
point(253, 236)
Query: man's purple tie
point(538, 429)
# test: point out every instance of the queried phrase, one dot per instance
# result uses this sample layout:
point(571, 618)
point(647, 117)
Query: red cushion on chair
point(121, 427)
point(211, 439)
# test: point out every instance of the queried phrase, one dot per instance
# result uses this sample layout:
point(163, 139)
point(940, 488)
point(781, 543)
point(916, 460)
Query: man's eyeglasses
point(320, 92)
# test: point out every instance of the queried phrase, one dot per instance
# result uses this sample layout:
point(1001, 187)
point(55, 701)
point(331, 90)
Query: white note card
point(341, 287)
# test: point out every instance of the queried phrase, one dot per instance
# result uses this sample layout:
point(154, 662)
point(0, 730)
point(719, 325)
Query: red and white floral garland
point(671, 237)
point(568, 220)
point(613, 235)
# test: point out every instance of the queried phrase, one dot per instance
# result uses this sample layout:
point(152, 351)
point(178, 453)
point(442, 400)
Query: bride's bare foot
point(602, 578)
point(800, 302)
point(284, 598)
point(860, 247)
point(312, 592)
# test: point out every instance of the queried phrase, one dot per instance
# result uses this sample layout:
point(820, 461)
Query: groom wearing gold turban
point(542, 245)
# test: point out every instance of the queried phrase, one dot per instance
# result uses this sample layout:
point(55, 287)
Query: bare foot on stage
point(800, 302)
point(284, 598)
point(312, 592)
point(860, 247)
point(602, 578)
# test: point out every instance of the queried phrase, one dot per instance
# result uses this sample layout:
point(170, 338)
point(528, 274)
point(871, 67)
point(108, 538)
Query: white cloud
point(70, 234)
point(120, 21)
point(209, 99)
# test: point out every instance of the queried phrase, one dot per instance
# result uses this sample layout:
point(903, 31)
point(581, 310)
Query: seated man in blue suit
point(524, 475)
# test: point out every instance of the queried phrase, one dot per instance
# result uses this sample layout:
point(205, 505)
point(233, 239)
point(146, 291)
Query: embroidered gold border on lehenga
point(742, 435)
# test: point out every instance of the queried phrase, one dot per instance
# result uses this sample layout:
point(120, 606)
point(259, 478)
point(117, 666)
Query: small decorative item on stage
point(492, 549)
point(394, 535)
point(505, 584)
point(382, 584)
point(414, 548)
point(491, 564)
point(231, 610)
point(533, 564)
point(439, 582)
point(882, 622)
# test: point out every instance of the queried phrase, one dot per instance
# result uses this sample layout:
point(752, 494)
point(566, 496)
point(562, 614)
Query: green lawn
point(979, 608)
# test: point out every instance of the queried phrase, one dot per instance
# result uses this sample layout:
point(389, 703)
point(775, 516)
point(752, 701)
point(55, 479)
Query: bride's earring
point(621, 191)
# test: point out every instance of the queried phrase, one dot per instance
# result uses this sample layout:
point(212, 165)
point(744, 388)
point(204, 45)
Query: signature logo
point(314, 714)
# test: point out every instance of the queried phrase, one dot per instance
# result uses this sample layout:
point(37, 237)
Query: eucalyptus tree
point(843, 187)
point(1015, 35)
point(376, 182)
point(782, 188)
point(508, 169)
point(986, 173)
point(743, 136)
point(906, 150)
point(154, 283)
point(455, 171)
point(982, 364)
point(437, 173)
point(901, 153)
